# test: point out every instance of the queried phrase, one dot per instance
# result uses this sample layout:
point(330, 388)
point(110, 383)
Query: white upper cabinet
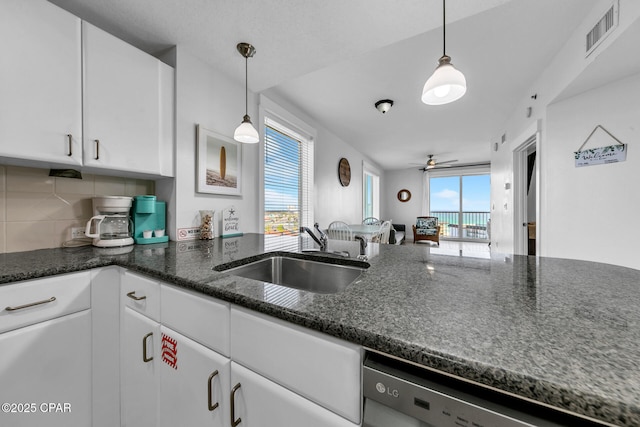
point(124, 97)
point(74, 95)
point(40, 83)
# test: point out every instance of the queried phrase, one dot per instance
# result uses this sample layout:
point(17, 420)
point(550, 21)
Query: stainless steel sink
point(312, 276)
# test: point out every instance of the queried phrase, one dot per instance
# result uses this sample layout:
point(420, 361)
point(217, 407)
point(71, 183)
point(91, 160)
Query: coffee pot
point(110, 230)
point(111, 224)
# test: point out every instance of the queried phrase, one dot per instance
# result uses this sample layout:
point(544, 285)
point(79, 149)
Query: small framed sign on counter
point(230, 223)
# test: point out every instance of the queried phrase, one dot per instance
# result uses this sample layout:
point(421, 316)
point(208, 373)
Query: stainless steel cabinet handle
point(20, 307)
point(146, 359)
point(70, 138)
point(234, 422)
point(97, 149)
point(210, 391)
point(133, 296)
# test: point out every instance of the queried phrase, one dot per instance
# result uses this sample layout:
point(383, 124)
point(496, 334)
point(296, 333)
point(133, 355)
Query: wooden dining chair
point(339, 230)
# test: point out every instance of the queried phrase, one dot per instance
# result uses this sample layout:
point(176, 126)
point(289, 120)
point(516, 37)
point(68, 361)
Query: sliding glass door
point(461, 203)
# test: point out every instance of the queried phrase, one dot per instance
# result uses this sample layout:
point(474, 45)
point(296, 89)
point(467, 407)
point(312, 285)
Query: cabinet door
point(140, 337)
point(47, 363)
point(194, 383)
point(105, 325)
point(258, 402)
point(321, 368)
point(40, 88)
point(122, 107)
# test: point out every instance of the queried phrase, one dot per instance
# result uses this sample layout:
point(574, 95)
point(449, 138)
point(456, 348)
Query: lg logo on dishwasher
point(382, 389)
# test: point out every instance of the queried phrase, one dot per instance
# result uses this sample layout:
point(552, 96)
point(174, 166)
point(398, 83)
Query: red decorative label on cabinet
point(170, 351)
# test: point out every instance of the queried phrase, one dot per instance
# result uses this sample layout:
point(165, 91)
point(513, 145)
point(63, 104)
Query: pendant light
point(446, 84)
point(246, 132)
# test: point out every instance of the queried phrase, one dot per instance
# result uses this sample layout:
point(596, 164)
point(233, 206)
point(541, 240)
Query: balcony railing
point(475, 225)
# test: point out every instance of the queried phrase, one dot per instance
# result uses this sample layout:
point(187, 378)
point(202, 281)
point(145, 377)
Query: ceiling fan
point(433, 163)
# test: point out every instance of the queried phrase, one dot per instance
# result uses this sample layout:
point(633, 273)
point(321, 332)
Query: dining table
point(367, 231)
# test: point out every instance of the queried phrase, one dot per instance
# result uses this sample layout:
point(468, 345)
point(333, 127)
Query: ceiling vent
point(603, 28)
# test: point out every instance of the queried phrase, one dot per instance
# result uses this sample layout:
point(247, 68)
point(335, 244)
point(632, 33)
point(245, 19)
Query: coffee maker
point(149, 220)
point(111, 225)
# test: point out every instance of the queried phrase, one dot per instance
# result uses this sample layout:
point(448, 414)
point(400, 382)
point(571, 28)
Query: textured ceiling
point(334, 59)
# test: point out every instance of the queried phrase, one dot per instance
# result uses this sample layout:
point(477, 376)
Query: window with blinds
point(288, 185)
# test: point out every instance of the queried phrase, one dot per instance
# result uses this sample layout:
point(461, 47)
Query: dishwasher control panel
point(400, 394)
point(435, 408)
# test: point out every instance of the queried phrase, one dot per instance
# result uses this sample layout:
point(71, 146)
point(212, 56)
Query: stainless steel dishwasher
point(400, 394)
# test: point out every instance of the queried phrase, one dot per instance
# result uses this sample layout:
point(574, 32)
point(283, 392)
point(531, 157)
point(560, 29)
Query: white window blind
point(288, 185)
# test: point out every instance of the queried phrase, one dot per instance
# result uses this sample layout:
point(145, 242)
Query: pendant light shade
point(446, 84)
point(246, 133)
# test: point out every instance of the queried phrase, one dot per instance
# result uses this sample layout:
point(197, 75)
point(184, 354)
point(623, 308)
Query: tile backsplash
point(37, 211)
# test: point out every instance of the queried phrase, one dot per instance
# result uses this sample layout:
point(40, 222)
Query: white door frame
point(520, 232)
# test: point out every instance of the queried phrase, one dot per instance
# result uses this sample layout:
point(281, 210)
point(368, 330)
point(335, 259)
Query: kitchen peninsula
point(562, 332)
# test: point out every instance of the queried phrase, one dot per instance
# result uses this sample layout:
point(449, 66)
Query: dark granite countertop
point(562, 332)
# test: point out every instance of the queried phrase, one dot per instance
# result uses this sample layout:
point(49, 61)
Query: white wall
point(568, 65)
point(333, 202)
point(399, 212)
point(591, 212)
point(206, 97)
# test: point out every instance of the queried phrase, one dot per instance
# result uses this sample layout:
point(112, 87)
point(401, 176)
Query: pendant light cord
point(444, 31)
point(246, 85)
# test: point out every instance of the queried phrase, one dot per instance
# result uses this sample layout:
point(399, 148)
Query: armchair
point(426, 228)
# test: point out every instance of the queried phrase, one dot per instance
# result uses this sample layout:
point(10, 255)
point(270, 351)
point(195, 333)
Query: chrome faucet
point(363, 245)
point(322, 241)
point(323, 236)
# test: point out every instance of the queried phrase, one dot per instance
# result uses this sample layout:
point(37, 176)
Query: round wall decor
point(404, 195)
point(344, 172)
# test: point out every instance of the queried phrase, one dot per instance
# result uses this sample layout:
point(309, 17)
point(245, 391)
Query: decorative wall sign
point(230, 223)
point(344, 172)
point(601, 155)
point(219, 163)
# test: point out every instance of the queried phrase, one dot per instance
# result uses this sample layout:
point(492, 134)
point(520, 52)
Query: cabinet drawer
point(199, 317)
point(140, 294)
point(33, 301)
point(322, 368)
point(259, 402)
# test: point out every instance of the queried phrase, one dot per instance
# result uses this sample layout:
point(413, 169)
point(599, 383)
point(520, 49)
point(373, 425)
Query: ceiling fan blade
point(445, 162)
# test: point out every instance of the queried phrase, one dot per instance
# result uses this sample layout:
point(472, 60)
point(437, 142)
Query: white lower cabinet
point(259, 402)
point(105, 335)
point(323, 369)
point(194, 383)
point(140, 361)
point(45, 372)
point(45, 352)
point(185, 359)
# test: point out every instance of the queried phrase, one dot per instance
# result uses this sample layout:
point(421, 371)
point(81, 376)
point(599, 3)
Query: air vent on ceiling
point(603, 28)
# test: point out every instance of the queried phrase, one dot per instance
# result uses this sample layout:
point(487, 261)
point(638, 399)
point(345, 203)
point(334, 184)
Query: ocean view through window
point(462, 205)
